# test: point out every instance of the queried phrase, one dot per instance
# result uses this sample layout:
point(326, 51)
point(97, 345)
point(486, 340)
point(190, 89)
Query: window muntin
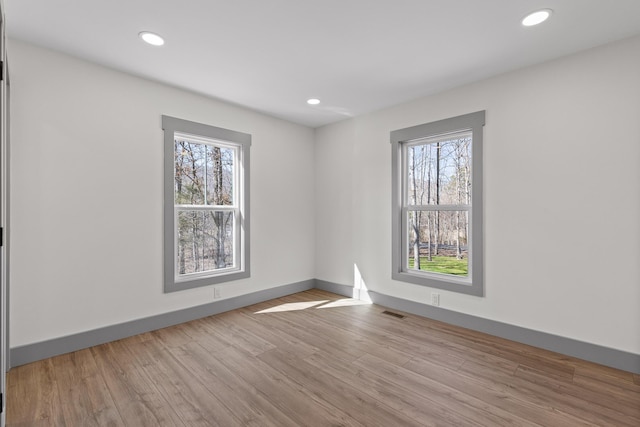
point(206, 204)
point(437, 214)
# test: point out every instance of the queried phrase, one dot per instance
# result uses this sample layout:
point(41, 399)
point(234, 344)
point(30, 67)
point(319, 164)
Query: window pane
point(205, 241)
point(220, 176)
point(189, 175)
point(440, 241)
point(439, 173)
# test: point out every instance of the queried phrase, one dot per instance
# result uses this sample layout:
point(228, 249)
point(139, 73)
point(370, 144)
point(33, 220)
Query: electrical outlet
point(435, 299)
point(216, 293)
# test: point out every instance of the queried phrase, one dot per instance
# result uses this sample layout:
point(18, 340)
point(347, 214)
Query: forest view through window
point(437, 204)
point(438, 200)
point(206, 204)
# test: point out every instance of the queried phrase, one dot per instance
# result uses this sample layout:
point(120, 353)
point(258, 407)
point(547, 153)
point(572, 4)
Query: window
point(437, 204)
point(206, 213)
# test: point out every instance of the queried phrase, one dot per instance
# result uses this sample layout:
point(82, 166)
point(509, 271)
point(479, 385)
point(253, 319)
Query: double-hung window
point(437, 204)
point(206, 204)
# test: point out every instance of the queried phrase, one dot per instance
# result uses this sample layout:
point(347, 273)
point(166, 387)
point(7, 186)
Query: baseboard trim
point(54, 347)
point(591, 352)
point(594, 353)
point(344, 290)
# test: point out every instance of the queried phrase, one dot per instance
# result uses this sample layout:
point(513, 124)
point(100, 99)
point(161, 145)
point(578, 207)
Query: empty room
point(320, 213)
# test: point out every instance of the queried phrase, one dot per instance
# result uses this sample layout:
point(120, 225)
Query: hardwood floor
point(318, 359)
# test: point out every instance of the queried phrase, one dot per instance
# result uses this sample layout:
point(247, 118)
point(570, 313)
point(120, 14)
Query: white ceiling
point(357, 56)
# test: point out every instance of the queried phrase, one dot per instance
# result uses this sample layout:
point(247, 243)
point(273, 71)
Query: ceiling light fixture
point(151, 38)
point(537, 17)
point(313, 101)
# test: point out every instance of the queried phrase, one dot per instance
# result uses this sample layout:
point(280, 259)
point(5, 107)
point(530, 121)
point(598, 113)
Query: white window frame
point(213, 136)
point(401, 140)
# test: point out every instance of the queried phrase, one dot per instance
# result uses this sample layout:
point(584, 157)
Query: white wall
point(86, 186)
point(562, 187)
point(334, 201)
point(562, 196)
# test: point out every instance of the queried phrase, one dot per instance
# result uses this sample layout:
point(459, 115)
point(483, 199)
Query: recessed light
point(537, 17)
point(151, 38)
point(313, 101)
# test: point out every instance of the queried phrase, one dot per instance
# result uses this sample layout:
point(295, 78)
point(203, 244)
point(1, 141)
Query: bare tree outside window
point(439, 176)
point(437, 215)
point(206, 204)
point(204, 181)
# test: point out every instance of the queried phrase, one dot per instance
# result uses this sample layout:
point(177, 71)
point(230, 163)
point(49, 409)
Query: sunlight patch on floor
point(292, 306)
point(304, 305)
point(347, 302)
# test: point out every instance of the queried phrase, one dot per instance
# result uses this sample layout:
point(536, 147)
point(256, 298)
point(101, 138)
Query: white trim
point(203, 140)
point(225, 208)
point(434, 208)
point(443, 137)
point(450, 278)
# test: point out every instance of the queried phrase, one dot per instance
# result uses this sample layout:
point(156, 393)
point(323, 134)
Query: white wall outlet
point(216, 293)
point(435, 299)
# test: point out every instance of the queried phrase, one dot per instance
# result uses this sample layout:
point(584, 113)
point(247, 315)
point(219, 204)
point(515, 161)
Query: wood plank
point(379, 336)
point(449, 388)
point(85, 399)
point(486, 344)
point(554, 405)
point(33, 397)
point(192, 402)
point(321, 360)
point(427, 411)
point(200, 332)
point(306, 331)
point(173, 336)
point(135, 395)
point(577, 400)
point(336, 392)
point(289, 396)
point(605, 375)
point(623, 391)
point(239, 397)
point(365, 342)
point(419, 338)
point(279, 338)
point(224, 332)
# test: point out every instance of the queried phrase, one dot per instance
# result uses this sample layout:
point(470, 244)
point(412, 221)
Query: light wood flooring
point(316, 359)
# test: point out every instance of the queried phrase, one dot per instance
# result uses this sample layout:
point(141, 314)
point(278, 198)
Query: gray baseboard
point(335, 288)
point(345, 290)
point(582, 350)
point(42, 350)
point(592, 352)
